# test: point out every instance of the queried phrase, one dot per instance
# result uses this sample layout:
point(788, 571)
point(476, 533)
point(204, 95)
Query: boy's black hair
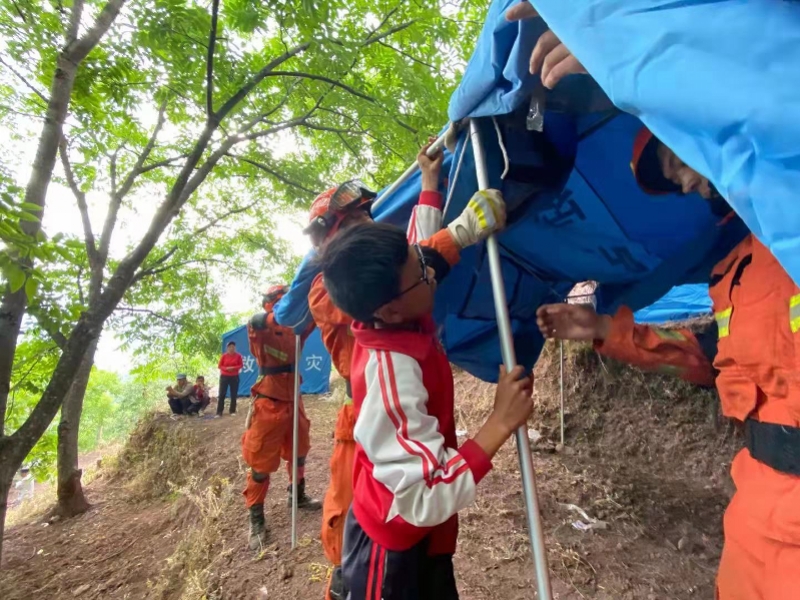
point(231, 344)
point(199, 377)
point(361, 267)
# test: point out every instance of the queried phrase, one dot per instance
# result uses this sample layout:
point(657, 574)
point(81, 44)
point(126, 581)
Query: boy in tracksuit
point(425, 226)
point(410, 478)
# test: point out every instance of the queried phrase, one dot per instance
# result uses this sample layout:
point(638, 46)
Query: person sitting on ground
point(178, 396)
point(199, 397)
point(410, 478)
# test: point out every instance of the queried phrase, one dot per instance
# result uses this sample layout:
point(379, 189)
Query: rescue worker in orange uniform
point(332, 212)
point(755, 363)
point(268, 430)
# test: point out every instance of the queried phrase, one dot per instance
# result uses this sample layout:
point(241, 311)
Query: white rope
point(502, 147)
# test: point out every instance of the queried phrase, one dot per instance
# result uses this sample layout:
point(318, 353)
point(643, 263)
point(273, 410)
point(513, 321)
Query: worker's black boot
point(258, 527)
point(336, 589)
point(303, 502)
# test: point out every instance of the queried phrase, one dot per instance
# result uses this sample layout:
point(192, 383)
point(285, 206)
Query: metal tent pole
point(509, 358)
point(435, 147)
point(295, 427)
point(561, 363)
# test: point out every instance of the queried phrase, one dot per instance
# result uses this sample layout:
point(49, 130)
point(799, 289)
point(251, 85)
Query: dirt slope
point(643, 454)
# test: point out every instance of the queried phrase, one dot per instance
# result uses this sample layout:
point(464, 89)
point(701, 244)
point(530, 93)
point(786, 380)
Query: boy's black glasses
point(423, 265)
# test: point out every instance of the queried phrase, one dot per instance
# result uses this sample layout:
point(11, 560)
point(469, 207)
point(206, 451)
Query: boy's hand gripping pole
point(510, 360)
point(298, 348)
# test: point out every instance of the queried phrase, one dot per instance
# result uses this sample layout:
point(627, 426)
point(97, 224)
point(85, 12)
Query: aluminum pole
point(409, 172)
point(561, 363)
point(509, 358)
point(298, 347)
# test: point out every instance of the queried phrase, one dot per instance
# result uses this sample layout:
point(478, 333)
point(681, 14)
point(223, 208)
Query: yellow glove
point(484, 215)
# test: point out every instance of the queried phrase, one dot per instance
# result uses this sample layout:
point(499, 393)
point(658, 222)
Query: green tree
point(262, 104)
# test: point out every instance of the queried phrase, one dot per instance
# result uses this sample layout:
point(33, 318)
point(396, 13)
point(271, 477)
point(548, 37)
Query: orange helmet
point(331, 207)
point(646, 166)
point(272, 295)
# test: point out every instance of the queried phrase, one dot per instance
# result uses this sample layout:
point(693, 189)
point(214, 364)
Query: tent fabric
point(582, 216)
point(680, 304)
point(731, 114)
point(315, 363)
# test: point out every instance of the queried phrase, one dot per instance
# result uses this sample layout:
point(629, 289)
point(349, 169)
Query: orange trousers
point(340, 490)
point(267, 440)
point(761, 556)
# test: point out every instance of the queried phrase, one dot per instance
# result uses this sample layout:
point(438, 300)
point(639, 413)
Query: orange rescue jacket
point(274, 350)
point(757, 363)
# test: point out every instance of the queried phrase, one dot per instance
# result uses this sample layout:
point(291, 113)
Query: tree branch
point(24, 80)
point(137, 168)
point(333, 82)
point(212, 40)
point(388, 32)
point(76, 51)
point(167, 162)
point(359, 156)
point(256, 79)
point(152, 270)
point(385, 19)
point(275, 174)
point(317, 127)
point(80, 198)
point(113, 173)
point(49, 327)
point(74, 21)
point(222, 217)
point(339, 84)
point(407, 55)
point(19, 11)
point(265, 132)
point(147, 311)
point(182, 263)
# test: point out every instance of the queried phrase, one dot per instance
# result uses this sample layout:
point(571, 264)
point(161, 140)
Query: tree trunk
point(12, 306)
point(6, 481)
point(71, 500)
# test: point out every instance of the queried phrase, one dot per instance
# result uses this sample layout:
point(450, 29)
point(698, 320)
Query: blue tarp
point(582, 217)
point(315, 363)
point(681, 303)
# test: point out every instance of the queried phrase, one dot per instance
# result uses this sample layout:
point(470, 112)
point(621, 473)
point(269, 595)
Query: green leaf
point(16, 277)
point(26, 216)
point(31, 285)
point(31, 207)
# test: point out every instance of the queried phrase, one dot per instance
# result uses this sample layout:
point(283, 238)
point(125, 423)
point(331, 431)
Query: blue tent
point(681, 303)
point(576, 213)
point(315, 363)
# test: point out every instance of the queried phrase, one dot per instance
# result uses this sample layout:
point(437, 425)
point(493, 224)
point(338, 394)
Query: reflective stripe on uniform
point(724, 322)
point(275, 352)
point(670, 370)
point(794, 313)
point(669, 334)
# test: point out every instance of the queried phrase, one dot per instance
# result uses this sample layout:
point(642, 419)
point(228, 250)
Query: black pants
point(195, 406)
point(227, 382)
point(373, 572)
point(179, 406)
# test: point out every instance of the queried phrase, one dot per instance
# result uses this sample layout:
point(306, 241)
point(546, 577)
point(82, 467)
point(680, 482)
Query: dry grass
point(187, 572)
point(32, 509)
point(158, 458)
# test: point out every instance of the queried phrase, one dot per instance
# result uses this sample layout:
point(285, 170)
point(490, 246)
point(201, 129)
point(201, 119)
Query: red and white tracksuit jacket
point(409, 478)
